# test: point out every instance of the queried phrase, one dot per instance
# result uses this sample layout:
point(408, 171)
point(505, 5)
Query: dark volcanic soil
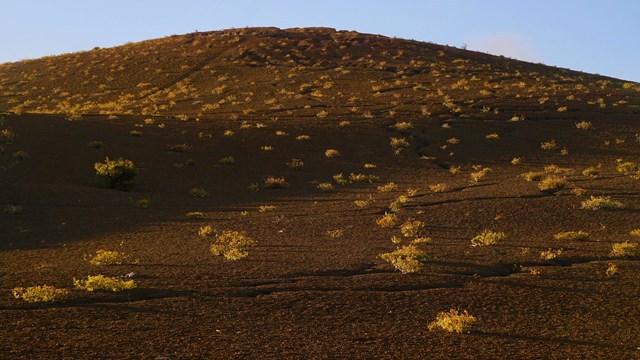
point(302, 293)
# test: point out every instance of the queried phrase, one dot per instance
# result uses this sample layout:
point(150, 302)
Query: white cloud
point(511, 45)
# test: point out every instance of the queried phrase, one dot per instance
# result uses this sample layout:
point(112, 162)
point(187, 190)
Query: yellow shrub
point(232, 244)
point(407, 259)
point(101, 282)
point(453, 321)
point(41, 293)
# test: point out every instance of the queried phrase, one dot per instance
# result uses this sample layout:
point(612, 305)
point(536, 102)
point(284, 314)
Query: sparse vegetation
point(332, 153)
point(198, 192)
point(453, 321)
point(388, 220)
point(552, 184)
point(487, 237)
point(232, 245)
point(106, 283)
point(572, 235)
point(624, 249)
point(275, 183)
point(40, 293)
point(116, 174)
point(601, 202)
point(107, 257)
point(408, 259)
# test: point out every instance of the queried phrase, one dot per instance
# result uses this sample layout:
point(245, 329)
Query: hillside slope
point(268, 72)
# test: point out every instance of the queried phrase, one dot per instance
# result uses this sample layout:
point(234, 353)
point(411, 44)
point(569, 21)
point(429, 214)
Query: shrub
point(453, 321)
point(572, 235)
point(487, 237)
point(634, 232)
point(332, 153)
point(438, 188)
point(550, 254)
point(266, 208)
point(591, 172)
point(407, 259)
point(403, 125)
point(232, 245)
point(388, 220)
point(143, 203)
point(548, 145)
point(275, 183)
point(6, 136)
point(624, 249)
point(552, 184)
point(106, 257)
point(583, 125)
point(398, 144)
point(600, 202)
point(412, 228)
point(116, 174)
point(612, 269)
point(295, 164)
point(101, 282)
point(516, 161)
point(228, 160)
point(206, 230)
point(387, 187)
point(479, 174)
point(533, 175)
point(198, 192)
point(41, 293)
point(493, 136)
point(303, 137)
point(325, 186)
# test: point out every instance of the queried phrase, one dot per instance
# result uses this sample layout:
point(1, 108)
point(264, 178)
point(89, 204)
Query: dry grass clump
point(363, 178)
point(101, 282)
point(584, 125)
point(336, 233)
point(634, 232)
point(413, 228)
point(572, 235)
point(407, 259)
point(453, 141)
point(625, 167)
point(453, 321)
point(494, 136)
point(548, 145)
point(275, 183)
point(625, 249)
point(6, 136)
point(591, 172)
point(552, 184)
point(266, 208)
point(325, 186)
point(487, 237)
point(388, 220)
point(479, 173)
point(332, 153)
point(295, 164)
point(206, 230)
point(361, 203)
point(601, 202)
point(612, 269)
point(398, 144)
point(403, 125)
point(550, 254)
point(40, 293)
point(388, 187)
point(107, 257)
point(438, 188)
point(303, 137)
point(198, 192)
point(232, 244)
point(516, 161)
point(533, 175)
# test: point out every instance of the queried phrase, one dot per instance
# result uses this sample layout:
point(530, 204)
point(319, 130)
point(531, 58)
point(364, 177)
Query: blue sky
point(598, 36)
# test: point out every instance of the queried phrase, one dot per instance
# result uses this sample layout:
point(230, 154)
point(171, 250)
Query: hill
point(358, 185)
point(267, 72)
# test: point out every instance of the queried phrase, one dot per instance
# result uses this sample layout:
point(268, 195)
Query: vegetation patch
point(116, 174)
point(407, 259)
point(453, 321)
point(106, 283)
point(40, 293)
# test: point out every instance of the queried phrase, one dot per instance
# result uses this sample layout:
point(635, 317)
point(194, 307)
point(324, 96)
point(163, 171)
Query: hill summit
point(301, 73)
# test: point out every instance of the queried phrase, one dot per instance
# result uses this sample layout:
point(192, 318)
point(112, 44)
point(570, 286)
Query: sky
point(596, 36)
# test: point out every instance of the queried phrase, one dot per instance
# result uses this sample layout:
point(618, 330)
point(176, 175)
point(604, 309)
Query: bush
point(487, 237)
point(624, 249)
point(453, 321)
point(106, 257)
point(601, 202)
point(42, 293)
point(407, 259)
point(552, 184)
point(101, 282)
point(116, 174)
point(232, 245)
point(572, 235)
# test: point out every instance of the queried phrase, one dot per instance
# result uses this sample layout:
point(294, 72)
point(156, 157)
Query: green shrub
point(116, 174)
